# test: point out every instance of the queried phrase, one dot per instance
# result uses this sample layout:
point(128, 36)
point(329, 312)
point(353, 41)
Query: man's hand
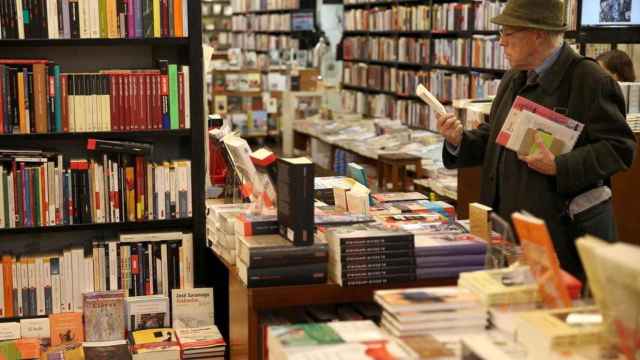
point(450, 127)
point(543, 161)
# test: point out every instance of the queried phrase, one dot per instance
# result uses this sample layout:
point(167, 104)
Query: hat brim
point(508, 20)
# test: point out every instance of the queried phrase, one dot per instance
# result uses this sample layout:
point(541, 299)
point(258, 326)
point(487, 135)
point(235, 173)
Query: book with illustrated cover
point(108, 350)
point(192, 308)
point(155, 340)
point(526, 119)
point(66, 328)
point(426, 299)
point(399, 196)
point(104, 315)
point(147, 312)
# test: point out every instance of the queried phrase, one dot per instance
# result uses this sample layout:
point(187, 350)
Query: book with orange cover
point(7, 292)
point(542, 259)
point(66, 327)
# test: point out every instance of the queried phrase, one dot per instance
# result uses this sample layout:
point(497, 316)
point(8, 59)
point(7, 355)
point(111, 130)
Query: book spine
point(379, 280)
point(174, 111)
point(306, 274)
point(376, 256)
point(373, 249)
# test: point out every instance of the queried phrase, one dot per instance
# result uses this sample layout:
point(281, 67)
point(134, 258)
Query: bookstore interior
point(319, 179)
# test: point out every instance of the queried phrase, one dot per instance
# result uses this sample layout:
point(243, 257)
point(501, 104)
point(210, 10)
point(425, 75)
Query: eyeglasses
point(503, 34)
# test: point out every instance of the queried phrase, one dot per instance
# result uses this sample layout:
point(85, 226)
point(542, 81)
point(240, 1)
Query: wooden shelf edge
point(99, 134)
point(96, 42)
point(138, 225)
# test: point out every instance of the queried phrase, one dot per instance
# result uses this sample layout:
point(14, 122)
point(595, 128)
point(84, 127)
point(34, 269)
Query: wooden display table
point(246, 303)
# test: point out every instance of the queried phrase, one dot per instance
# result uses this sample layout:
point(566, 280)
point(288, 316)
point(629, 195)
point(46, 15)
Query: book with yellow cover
point(547, 331)
point(150, 340)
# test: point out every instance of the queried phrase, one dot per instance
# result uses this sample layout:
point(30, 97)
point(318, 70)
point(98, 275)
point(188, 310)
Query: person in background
point(618, 64)
point(569, 192)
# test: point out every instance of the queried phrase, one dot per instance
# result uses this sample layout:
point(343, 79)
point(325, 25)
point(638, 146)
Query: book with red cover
point(181, 108)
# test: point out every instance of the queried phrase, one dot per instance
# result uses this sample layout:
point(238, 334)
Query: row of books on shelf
point(263, 42)
point(452, 52)
point(266, 22)
point(473, 16)
point(41, 189)
point(396, 18)
point(631, 93)
point(137, 264)
point(370, 48)
point(401, 82)
point(36, 97)
point(402, 49)
point(209, 9)
point(487, 53)
point(259, 5)
point(50, 19)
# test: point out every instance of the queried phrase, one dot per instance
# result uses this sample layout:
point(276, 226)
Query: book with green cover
point(547, 139)
point(8, 350)
point(58, 97)
point(102, 6)
point(305, 334)
point(174, 115)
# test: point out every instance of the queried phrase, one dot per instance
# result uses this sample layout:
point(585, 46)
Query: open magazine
point(528, 119)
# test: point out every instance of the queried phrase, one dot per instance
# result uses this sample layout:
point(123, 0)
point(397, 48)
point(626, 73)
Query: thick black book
point(375, 273)
point(74, 18)
point(295, 200)
point(377, 264)
point(283, 275)
point(376, 256)
point(117, 146)
point(274, 250)
point(44, 20)
point(375, 249)
point(391, 278)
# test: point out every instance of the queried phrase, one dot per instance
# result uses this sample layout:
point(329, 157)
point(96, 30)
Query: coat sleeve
point(474, 142)
point(610, 144)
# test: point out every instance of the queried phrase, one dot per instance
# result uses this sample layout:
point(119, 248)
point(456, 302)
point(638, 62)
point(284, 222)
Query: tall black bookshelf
point(91, 55)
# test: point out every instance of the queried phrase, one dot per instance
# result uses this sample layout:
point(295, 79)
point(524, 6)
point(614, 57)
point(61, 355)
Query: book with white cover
point(422, 299)
point(35, 328)
point(143, 237)
point(192, 308)
point(147, 312)
point(426, 96)
point(9, 331)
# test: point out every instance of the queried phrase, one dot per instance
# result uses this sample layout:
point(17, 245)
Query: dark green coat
point(586, 93)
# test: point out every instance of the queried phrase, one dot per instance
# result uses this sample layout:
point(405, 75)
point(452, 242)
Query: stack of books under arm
point(412, 312)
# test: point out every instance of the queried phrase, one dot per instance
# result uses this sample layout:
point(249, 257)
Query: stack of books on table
point(408, 312)
point(271, 260)
point(334, 340)
point(220, 234)
point(201, 343)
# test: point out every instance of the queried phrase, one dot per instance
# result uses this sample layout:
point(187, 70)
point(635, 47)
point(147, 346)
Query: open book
point(427, 97)
point(526, 119)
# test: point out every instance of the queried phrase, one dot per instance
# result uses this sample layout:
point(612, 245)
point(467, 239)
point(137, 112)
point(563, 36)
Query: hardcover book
point(104, 315)
point(192, 308)
point(147, 312)
point(66, 328)
point(295, 200)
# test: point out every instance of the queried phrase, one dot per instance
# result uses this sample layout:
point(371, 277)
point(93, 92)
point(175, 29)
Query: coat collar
point(552, 77)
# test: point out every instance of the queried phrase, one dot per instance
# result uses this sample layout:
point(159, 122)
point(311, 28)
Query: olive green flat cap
point(537, 14)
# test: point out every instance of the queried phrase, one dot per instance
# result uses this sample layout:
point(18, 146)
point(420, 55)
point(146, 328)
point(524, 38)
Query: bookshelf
point(419, 49)
point(216, 22)
point(92, 55)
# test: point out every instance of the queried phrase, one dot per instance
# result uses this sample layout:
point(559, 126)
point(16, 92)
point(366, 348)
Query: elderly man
point(568, 191)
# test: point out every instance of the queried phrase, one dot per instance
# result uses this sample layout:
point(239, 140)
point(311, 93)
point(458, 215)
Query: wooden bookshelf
point(122, 135)
point(122, 226)
point(182, 41)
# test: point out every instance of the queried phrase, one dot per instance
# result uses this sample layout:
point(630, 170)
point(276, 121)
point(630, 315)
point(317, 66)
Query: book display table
point(246, 303)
